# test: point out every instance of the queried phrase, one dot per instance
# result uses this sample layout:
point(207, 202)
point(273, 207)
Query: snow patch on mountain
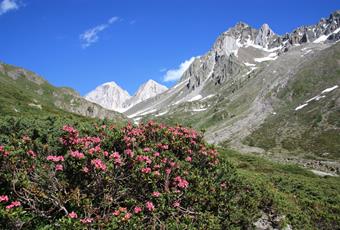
point(270, 57)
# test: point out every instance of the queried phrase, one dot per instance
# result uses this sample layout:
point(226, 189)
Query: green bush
point(97, 175)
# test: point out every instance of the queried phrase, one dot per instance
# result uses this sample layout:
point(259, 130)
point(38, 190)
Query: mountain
point(237, 86)
point(109, 95)
point(24, 92)
point(113, 97)
point(147, 90)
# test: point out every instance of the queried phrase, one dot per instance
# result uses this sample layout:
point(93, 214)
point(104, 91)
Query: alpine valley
point(247, 138)
point(254, 91)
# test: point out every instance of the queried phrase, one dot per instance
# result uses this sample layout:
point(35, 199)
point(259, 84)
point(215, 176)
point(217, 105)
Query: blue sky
point(84, 43)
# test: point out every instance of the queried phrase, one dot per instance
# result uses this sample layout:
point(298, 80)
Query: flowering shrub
point(146, 176)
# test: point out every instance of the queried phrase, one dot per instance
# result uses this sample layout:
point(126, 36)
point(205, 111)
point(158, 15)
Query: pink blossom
point(98, 164)
point(115, 155)
point(146, 149)
point(31, 153)
point(116, 213)
point(85, 169)
point(156, 194)
point(144, 158)
point(137, 209)
point(106, 153)
point(146, 170)
point(55, 158)
point(182, 183)
point(176, 204)
point(150, 206)
point(172, 164)
point(13, 204)
point(117, 158)
point(156, 166)
point(59, 167)
point(188, 159)
point(4, 198)
point(86, 220)
point(127, 216)
point(156, 154)
point(129, 152)
point(167, 171)
point(77, 155)
point(164, 160)
point(73, 215)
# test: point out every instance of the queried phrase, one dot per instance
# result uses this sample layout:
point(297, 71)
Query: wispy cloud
point(176, 74)
point(91, 36)
point(8, 5)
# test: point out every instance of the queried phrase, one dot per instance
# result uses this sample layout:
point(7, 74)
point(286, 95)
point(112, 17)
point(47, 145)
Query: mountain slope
point(24, 92)
point(307, 110)
point(233, 89)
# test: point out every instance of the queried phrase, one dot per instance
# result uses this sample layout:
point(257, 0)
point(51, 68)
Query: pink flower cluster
point(145, 159)
point(117, 158)
point(31, 153)
point(146, 170)
point(156, 194)
point(4, 198)
point(181, 183)
point(129, 152)
point(150, 206)
point(77, 155)
point(59, 167)
point(13, 205)
point(73, 215)
point(72, 136)
point(55, 158)
point(98, 164)
point(137, 209)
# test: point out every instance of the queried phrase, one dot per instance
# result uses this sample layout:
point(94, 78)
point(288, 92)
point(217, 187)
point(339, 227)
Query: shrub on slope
point(101, 176)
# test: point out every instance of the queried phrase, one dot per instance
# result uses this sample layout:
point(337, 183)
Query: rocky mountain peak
point(109, 95)
point(264, 36)
point(148, 90)
point(112, 96)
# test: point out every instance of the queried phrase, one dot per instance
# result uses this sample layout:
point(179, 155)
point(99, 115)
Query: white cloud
point(8, 5)
point(113, 20)
point(176, 74)
point(91, 36)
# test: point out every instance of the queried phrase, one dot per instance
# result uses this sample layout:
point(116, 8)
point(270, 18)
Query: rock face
point(265, 36)
point(113, 97)
point(109, 95)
